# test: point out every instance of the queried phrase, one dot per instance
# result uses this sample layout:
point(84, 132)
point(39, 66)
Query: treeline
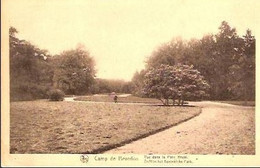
point(34, 72)
point(226, 60)
point(108, 86)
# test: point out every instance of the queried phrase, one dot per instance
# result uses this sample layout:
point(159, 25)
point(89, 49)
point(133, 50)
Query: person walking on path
point(115, 98)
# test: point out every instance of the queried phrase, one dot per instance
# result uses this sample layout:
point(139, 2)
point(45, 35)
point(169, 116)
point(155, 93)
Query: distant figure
point(115, 98)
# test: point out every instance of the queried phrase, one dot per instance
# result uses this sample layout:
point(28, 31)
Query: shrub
point(28, 91)
point(181, 82)
point(56, 95)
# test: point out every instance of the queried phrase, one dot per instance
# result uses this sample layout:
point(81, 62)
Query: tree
point(169, 53)
point(30, 71)
point(227, 41)
point(202, 54)
point(243, 70)
point(181, 82)
point(74, 72)
point(138, 82)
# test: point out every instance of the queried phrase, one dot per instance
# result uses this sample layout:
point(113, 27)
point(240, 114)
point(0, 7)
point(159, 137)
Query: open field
point(240, 103)
point(78, 127)
point(128, 99)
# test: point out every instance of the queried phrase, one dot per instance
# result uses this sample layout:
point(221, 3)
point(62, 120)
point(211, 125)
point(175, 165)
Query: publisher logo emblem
point(84, 158)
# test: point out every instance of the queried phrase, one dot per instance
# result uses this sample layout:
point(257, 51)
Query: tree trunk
point(245, 92)
point(173, 102)
point(245, 96)
point(182, 101)
point(162, 102)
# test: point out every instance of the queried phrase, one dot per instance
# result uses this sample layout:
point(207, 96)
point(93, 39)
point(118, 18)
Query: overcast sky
point(121, 34)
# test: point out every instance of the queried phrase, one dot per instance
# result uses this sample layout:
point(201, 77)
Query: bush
point(28, 91)
point(56, 95)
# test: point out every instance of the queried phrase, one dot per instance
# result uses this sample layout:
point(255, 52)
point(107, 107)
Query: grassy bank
point(78, 127)
point(128, 99)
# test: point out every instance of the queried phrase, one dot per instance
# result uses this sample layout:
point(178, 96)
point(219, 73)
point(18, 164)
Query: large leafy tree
point(170, 53)
point(227, 41)
point(202, 54)
point(243, 70)
point(74, 72)
point(30, 70)
point(181, 82)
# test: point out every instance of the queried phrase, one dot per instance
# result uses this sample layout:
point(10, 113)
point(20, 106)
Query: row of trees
point(177, 70)
point(34, 72)
point(108, 86)
point(226, 61)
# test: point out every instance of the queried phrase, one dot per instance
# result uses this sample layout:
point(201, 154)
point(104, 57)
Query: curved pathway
point(219, 129)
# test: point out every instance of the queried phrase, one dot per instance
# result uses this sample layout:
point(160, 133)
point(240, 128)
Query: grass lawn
point(78, 127)
point(241, 103)
point(128, 99)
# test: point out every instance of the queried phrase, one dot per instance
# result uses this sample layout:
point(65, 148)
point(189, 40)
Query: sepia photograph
point(147, 82)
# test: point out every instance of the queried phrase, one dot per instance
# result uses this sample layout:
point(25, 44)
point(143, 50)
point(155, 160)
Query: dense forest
point(226, 61)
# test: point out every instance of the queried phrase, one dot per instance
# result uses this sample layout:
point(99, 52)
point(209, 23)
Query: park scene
point(190, 95)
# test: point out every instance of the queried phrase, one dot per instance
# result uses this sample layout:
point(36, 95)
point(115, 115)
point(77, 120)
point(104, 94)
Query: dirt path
point(219, 129)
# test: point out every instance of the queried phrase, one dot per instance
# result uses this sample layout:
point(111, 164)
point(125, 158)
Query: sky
point(121, 34)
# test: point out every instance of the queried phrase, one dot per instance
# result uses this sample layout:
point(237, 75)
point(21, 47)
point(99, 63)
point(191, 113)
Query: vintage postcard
point(129, 83)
